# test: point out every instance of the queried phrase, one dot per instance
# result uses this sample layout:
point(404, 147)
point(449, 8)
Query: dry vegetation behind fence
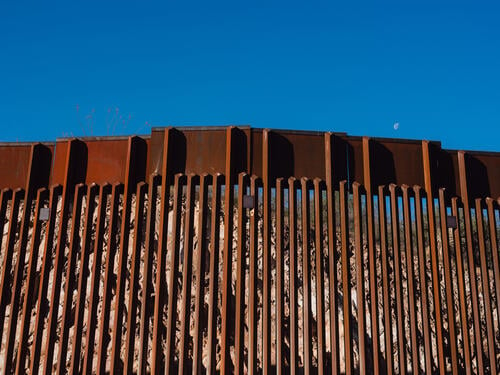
point(107, 291)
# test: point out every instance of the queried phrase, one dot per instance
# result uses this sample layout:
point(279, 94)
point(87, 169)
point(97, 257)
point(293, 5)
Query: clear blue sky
point(105, 68)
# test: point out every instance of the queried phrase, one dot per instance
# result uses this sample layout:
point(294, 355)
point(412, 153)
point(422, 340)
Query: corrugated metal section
point(248, 250)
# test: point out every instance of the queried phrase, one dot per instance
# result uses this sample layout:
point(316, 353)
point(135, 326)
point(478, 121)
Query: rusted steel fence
point(241, 250)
